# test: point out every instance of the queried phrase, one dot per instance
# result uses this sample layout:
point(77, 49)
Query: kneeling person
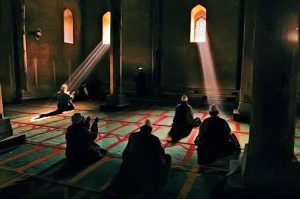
point(81, 149)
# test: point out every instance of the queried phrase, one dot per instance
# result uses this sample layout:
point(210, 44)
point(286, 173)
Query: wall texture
point(180, 62)
point(92, 13)
point(137, 38)
point(181, 65)
point(50, 60)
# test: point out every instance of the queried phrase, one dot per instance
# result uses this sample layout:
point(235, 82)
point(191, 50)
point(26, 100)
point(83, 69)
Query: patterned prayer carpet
point(30, 170)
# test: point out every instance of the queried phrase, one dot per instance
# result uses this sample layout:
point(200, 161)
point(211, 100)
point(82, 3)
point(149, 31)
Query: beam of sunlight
point(87, 66)
point(37, 118)
point(208, 67)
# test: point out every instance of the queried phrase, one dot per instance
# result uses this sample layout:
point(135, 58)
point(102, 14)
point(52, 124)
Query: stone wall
point(50, 60)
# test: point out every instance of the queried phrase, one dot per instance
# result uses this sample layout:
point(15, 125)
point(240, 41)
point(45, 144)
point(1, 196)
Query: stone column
point(244, 108)
point(20, 57)
point(7, 139)
point(1, 104)
point(269, 159)
point(116, 97)
point(156, 67)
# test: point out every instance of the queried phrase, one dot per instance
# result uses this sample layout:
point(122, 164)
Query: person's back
point(213, 138)
point(64, 99)
point(216, 130)
point(78, 140)
point(183, 114)
point(183, 121)
point(144, 152)
point(81, 149)
point(145, 164)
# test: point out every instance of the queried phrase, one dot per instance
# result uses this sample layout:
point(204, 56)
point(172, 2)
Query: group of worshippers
point(145, 162)
point(214, 140)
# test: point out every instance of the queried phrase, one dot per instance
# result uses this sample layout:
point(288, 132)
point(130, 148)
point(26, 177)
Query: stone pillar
point(116, 97)
point(7, 139)
point(269, 159)
point(244, 108)
point(156, 67)
point(5, 126)
point(20, 60)
point(1, 104)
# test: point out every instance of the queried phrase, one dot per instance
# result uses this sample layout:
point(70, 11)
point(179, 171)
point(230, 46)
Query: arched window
point(106, 28)
point(68, 27)
point(198, 24)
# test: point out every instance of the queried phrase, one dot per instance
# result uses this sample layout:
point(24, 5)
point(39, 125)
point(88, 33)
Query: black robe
point(213, 140)
point(81, 149)
point(144, 165)
point(64, 101)
point(183, 122)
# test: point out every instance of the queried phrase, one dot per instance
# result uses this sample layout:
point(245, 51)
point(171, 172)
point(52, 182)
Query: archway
point(106, 28)
point(198, 24)
point(68, 27)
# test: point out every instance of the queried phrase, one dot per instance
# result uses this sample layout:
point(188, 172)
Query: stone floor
point(32, 167)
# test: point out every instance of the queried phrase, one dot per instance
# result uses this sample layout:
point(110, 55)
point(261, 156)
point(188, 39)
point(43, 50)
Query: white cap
point(184, 98)
point(213, 108)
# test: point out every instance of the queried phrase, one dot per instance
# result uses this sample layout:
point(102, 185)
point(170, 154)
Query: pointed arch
point(198, 24)
point(106, 28)
point(68, 26)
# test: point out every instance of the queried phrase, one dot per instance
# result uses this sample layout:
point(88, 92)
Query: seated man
point(64, 99)
point(141, 82)
point(82, 92)
point(183, 121)
point(145, 164)
point(81, 149)
point(214, 139)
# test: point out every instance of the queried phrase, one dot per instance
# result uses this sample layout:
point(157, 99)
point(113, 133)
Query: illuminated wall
point(52, 58)
point(178, 54)
point(180, 62)
point(93, 12)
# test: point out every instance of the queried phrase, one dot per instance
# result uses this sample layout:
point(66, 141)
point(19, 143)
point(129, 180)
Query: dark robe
point(81, 149)
point(183, 122)
point(213, 140)
point(82, 93)
point(145, 164)
point(64, 101)
point(141, 83)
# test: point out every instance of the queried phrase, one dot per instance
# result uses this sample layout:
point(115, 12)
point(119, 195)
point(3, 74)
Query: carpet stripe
point(188, 184)
point(89, 170)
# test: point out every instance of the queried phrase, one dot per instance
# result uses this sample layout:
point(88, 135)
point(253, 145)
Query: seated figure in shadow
point(145, 165)
point(82, 93)
point(64, 99)
point(141, 82)
point(81, 149)
point(64, 102)
point(215, 139)
point(183, 121)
